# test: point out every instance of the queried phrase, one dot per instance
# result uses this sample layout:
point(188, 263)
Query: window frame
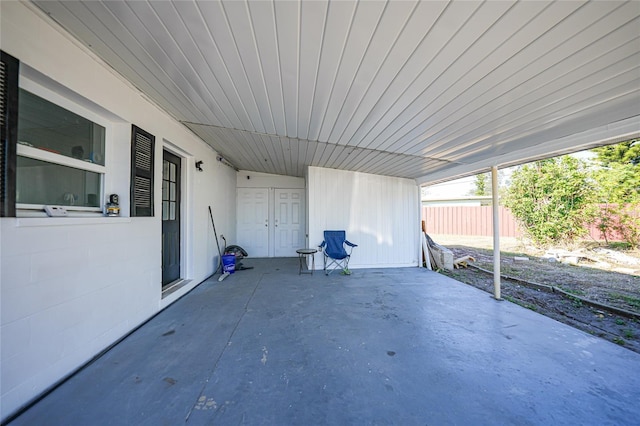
point(50, 95)
point(8, 134)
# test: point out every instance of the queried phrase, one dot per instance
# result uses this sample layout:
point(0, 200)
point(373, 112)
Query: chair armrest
point(322, 244)
point(350, 243)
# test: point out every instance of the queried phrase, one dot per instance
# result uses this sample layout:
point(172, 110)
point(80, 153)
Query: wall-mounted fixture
point(199, 166)
point(224, 161)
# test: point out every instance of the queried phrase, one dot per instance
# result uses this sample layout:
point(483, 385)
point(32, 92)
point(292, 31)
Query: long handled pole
point(217, 242)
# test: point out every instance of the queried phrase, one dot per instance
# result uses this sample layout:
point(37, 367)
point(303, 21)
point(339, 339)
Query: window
point(9, 69)
point(44, 183)
point(170, 188)
point(60, 156)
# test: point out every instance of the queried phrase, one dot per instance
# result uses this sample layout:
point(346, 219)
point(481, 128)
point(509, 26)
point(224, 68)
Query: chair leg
point(330, 264)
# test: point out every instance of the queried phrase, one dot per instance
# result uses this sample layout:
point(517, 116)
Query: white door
point(288, 222)
point(253, 221)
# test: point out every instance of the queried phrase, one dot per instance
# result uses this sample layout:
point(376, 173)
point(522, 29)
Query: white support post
point(496, 232)
point(420, 222)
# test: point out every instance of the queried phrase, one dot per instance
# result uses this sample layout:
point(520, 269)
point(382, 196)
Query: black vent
point(9, 68)
point(142, 152)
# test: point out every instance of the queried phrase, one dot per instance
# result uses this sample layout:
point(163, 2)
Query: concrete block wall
point(70, 287)
point(68, 291)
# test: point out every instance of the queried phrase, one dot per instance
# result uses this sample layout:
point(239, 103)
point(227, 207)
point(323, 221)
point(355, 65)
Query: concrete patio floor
point(383, 346)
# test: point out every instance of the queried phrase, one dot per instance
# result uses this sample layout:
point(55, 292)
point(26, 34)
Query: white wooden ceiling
point(425, 90)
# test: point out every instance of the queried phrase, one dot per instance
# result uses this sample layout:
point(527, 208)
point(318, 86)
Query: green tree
point(622, 153)
point(481, 185)
point(618, 190)
point(551, 199)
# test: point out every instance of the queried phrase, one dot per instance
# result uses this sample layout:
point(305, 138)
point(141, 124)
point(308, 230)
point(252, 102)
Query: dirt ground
point(595, 272)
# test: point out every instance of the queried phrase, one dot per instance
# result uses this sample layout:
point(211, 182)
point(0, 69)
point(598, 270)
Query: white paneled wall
point(379, 213)
point(70, 287)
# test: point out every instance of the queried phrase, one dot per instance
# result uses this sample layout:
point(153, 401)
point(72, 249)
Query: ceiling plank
point(423, 76)
point(412, 89)
point(313, 23)
point(338, 27)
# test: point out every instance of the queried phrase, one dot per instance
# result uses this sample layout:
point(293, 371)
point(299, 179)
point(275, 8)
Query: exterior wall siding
point(70, 287)
point(379, 213)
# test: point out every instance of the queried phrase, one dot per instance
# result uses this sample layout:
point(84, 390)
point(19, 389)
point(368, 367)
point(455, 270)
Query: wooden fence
point(478, 220)
point(468, 220)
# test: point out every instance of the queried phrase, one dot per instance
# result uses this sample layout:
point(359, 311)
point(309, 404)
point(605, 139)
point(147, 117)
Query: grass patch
point(521, 303)
point(577, 303)
point(573, 291)
point(629, 334)
point(632, 301)
point(620, 321)
point(620, 246)
point(619, 340)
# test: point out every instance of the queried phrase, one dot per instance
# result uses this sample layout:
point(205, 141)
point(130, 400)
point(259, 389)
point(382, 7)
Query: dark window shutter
point(142, 154)
point(9, 70)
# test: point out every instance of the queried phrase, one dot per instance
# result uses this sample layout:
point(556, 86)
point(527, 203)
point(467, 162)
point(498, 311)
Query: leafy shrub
point(552, 200)
point(618, 189)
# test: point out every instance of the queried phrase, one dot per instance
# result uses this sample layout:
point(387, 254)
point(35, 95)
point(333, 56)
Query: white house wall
point(379, 213)
point(70, 287)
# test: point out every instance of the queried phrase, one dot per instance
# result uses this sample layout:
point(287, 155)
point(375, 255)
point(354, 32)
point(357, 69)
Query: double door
point(271, 221)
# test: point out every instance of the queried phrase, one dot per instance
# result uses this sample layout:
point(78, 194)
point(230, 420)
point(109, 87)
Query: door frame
point(187, 163)
point(177, 160)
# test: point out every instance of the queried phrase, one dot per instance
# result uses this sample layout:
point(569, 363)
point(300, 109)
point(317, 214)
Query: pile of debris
point(599, 257)
point(437, 257)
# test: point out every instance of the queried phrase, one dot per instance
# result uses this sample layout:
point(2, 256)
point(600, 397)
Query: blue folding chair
point(334, 248)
